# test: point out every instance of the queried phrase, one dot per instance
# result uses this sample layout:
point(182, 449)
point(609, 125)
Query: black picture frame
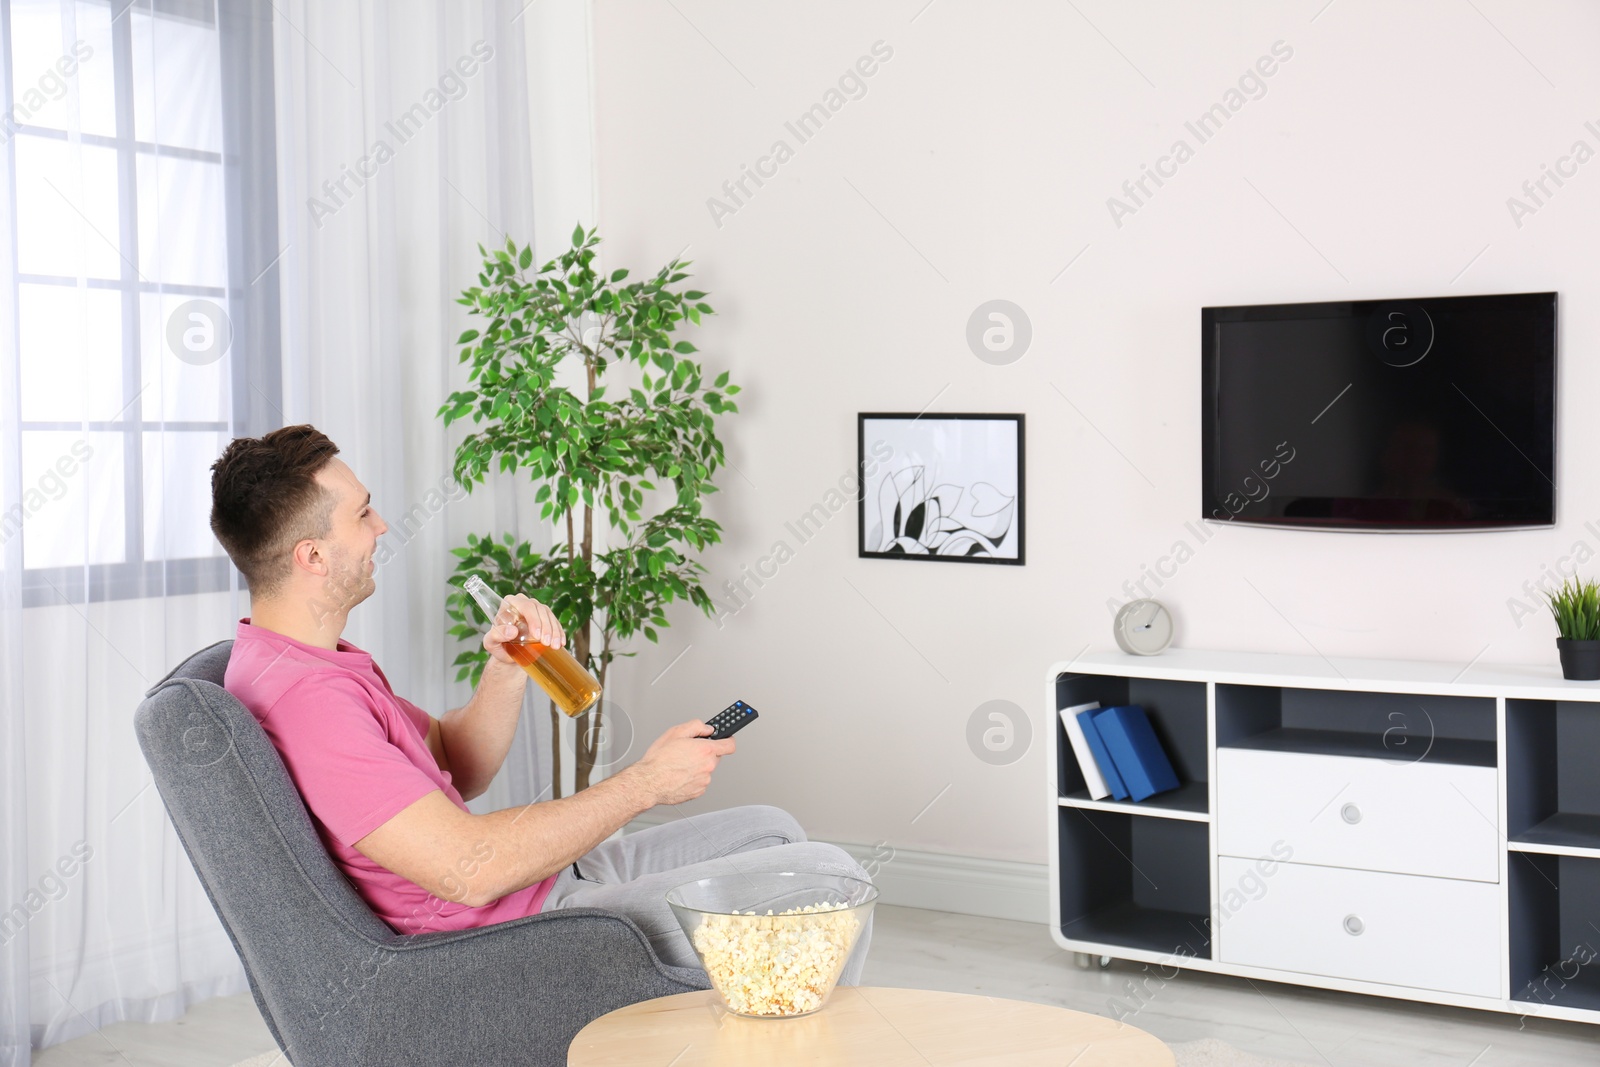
point(964, 543)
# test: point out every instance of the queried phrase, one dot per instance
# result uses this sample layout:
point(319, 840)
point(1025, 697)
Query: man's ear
point(308, 556)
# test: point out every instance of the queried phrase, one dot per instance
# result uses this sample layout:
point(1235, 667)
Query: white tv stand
point(1407, 829)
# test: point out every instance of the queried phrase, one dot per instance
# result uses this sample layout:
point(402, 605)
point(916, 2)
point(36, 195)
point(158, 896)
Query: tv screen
point(1426, 414)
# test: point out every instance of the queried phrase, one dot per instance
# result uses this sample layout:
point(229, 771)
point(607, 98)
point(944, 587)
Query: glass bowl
point(773, 945)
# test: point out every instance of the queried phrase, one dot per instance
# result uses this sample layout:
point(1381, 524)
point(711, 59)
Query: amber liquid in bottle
point(557, 671)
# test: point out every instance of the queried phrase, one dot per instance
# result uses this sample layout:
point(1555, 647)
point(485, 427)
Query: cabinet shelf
point(1553, 958)
point(1177, 714)
point(1406, 727)
point(1130, 925)
point(1371, 746)
point(1552, 793)
point(1581, 990)
point(1143, 883)
point(1564, 833)
point(1190, 801)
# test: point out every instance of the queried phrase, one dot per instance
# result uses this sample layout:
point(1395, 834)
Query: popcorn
point(777, 964)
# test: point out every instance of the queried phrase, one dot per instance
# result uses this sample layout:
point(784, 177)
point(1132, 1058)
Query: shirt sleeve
point(419, 718)
point(352, 777)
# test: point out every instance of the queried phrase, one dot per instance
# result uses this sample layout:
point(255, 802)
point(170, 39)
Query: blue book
point(1127, 735)
point(1086, 719)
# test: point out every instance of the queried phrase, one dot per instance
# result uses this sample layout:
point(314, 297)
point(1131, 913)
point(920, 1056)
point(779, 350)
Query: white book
point(1080, 748)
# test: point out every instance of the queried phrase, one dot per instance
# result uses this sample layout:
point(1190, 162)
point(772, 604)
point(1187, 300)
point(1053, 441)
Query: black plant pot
point(1580, 660)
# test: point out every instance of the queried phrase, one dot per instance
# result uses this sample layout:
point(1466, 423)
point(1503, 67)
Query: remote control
point(730, 720)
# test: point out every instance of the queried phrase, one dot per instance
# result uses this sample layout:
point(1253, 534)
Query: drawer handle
point(1353, 925)
point(1350, 814)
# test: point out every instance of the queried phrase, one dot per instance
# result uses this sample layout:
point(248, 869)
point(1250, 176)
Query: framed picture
point(945, 488)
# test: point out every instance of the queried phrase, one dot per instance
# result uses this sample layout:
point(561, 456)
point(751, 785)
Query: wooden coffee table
point(864, 1025)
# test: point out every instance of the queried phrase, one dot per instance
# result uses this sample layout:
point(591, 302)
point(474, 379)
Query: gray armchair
point(336, 985)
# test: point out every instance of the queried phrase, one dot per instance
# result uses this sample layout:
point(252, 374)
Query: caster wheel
point(1105, 962)
point(1083, 960)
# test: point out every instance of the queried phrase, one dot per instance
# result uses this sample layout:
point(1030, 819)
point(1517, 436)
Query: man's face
point(352, 538)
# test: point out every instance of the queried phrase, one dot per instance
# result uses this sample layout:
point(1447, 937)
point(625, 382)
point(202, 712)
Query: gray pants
point(631, 874)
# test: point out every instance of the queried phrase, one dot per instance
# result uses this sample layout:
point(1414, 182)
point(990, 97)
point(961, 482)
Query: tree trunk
point(588, 743)
point(588, 732)
point(555, 750)
point(592, 731)
point(583, 757)
point(579, 775)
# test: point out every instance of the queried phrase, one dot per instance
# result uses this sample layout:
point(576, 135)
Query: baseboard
point(966, 885)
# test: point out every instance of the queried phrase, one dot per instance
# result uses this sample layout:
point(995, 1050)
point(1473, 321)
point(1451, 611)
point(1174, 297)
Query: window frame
point(251, 298)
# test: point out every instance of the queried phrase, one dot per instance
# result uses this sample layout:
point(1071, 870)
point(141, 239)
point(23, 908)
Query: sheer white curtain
point(406, 136)
point(155, 305)
point(116, 150)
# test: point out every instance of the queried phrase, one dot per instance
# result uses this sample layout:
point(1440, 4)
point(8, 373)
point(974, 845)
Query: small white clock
point(1143, 628)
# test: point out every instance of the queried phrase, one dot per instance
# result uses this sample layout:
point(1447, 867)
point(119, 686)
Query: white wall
point(977, 165)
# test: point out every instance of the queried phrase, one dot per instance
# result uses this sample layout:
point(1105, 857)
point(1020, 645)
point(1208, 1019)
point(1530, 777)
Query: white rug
point(1208, 1052)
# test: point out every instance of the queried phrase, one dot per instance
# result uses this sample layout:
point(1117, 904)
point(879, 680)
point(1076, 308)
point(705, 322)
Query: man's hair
point(265, 500)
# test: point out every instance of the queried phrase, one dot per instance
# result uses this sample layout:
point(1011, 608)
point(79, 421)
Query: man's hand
point(678, 766)
point(472, 741)
point(539, 621)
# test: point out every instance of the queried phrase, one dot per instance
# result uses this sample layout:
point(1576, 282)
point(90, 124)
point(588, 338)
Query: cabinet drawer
point(1439, 819)
point(1424, 933)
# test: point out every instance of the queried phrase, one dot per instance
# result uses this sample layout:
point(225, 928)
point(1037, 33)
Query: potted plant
point(1576, 606)
point(594, 454)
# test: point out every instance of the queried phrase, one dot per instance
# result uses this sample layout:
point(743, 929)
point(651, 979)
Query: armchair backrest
point(297, 923)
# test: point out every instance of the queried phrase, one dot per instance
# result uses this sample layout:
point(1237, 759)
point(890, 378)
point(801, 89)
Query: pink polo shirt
point(359, 755)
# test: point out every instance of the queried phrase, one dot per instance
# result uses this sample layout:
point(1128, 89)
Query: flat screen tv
point(1427, 414)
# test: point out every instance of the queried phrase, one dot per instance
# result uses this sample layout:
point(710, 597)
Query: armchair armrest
point(517, 992)
point(615, 937)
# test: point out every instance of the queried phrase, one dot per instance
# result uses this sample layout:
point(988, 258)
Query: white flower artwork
point(942, 487)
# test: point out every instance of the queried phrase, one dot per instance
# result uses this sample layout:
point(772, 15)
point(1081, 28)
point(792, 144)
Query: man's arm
point(473, 739)
point(477, 859)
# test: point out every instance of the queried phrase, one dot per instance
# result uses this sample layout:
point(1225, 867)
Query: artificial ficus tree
point(639, 458)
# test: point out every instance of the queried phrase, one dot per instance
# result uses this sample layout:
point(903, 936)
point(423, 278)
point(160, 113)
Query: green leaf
point(1576, 607)
point(581, 447)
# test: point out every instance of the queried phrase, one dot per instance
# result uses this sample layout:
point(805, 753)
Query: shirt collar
point(346, 655)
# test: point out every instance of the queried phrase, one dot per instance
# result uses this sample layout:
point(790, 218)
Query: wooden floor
point(935, 950)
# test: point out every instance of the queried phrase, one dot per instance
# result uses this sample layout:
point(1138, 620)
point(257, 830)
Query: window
point(139, 142)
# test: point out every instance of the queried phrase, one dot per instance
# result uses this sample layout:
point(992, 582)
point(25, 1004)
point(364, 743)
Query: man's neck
point(319, 631)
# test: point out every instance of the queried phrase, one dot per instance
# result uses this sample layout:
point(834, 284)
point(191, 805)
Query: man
point(386, 783)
